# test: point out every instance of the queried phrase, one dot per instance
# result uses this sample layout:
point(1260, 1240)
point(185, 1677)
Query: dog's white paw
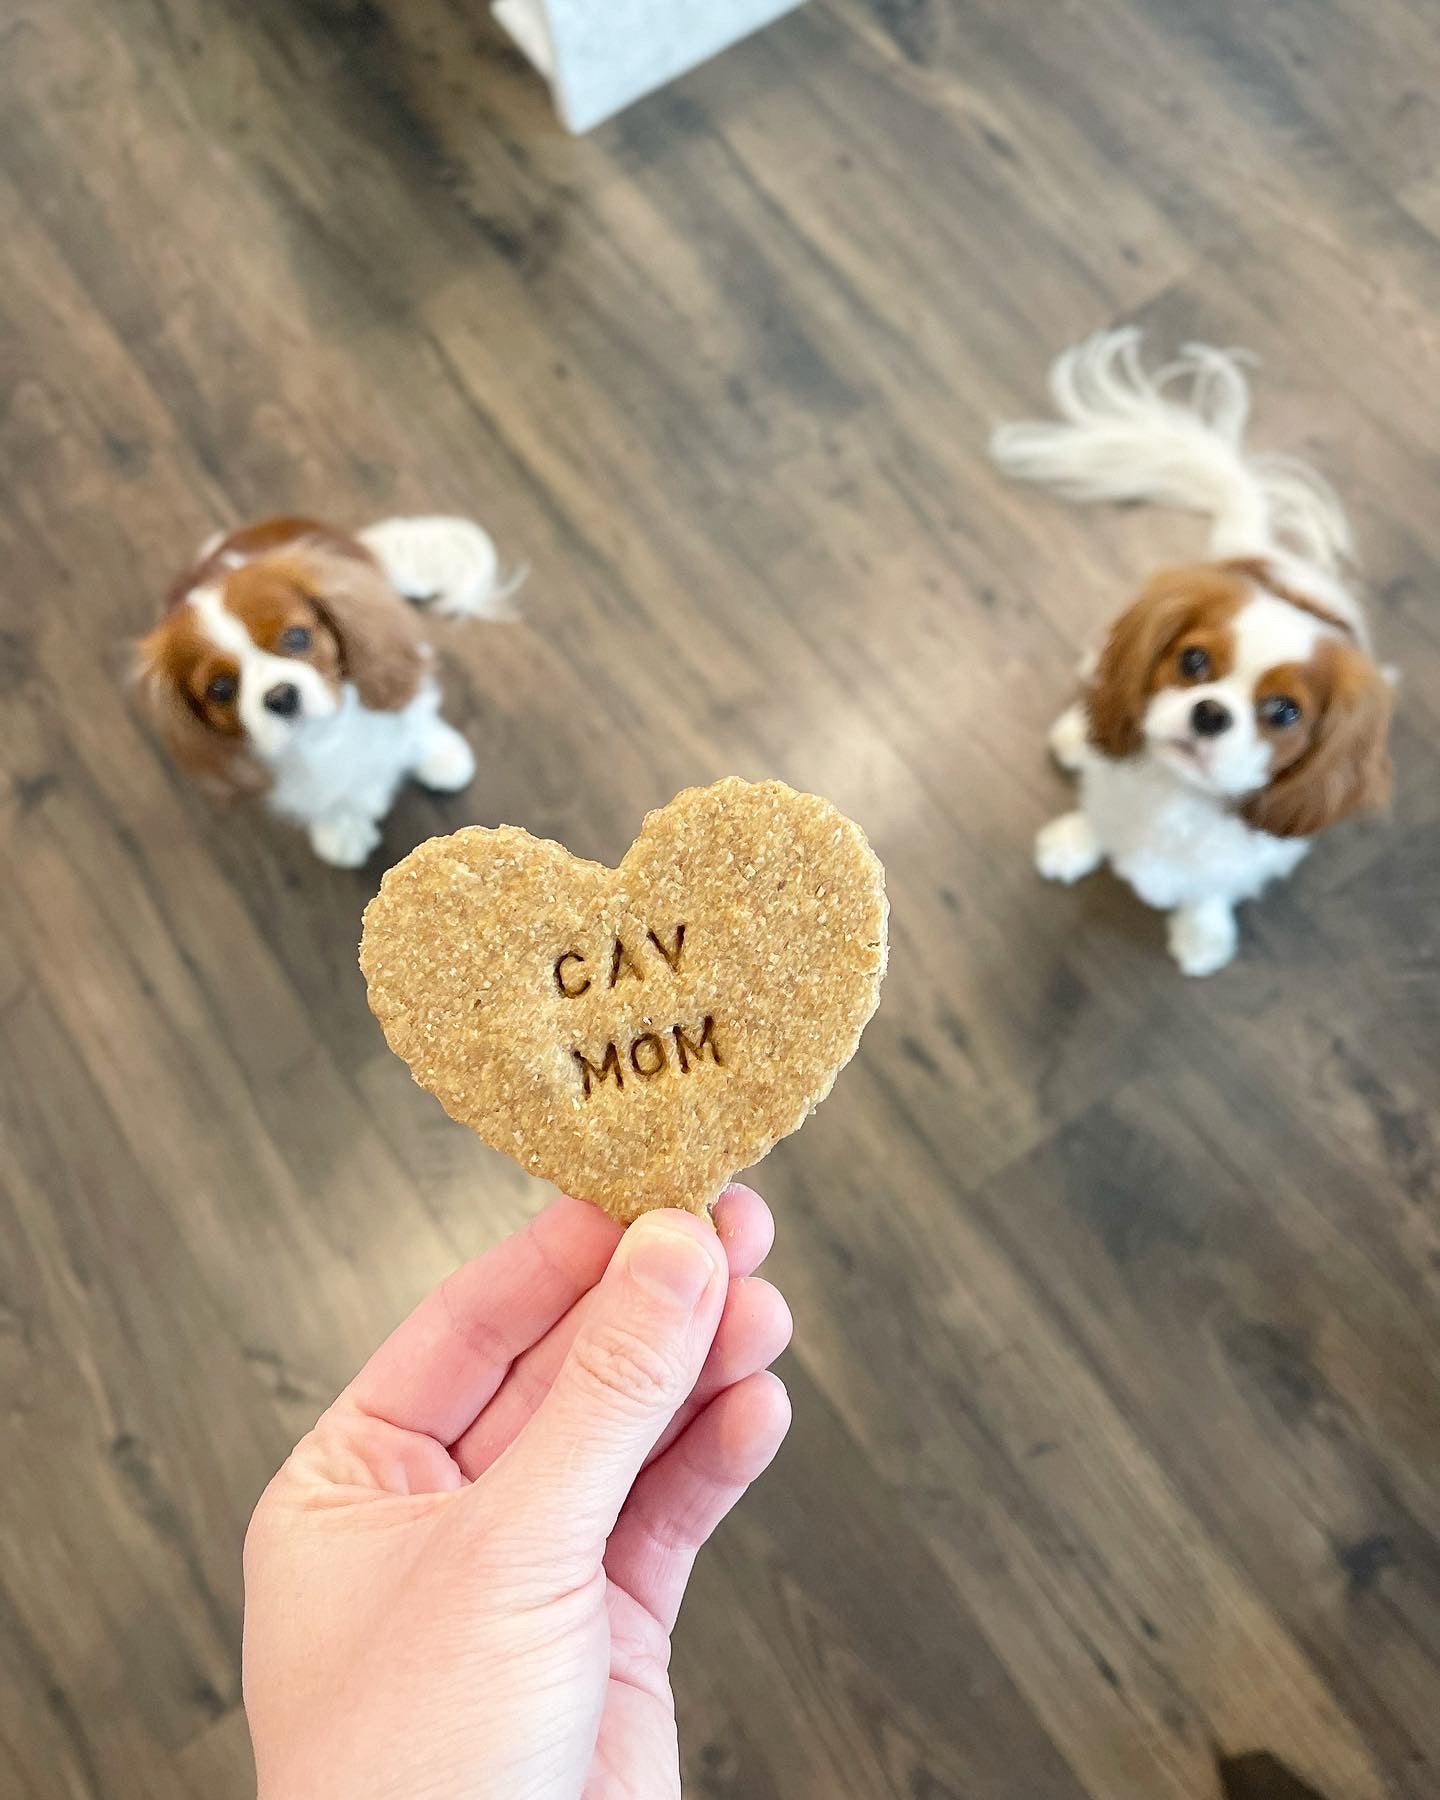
point(345, 842)
point(1067, 738)
point(1202, 938)
point(1067, 848)
point(448, 763)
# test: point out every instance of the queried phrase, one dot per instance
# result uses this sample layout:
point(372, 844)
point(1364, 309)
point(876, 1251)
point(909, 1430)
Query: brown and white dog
point(289, 664)
point(1235, 709)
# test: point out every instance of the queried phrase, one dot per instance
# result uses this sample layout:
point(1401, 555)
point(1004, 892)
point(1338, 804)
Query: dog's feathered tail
point(1177, 438)
point(447, 565)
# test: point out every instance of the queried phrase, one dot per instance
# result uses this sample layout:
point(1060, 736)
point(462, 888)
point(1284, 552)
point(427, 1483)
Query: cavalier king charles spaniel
point(1235, 709)
point(290, 664)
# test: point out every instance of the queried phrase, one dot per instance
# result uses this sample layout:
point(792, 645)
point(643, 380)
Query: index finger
point(437, 1370)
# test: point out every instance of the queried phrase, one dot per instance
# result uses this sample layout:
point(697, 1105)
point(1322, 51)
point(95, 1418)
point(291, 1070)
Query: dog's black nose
point(284, 698)
point(1209, 718)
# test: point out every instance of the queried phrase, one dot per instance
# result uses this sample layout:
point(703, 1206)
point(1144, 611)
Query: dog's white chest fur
point(354, 760)
point(1175, 845)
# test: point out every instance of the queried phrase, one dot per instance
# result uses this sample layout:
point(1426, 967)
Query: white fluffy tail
point(1124, 437)
point(447, 565)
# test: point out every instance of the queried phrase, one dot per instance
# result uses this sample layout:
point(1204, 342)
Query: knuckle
point(629, 1369)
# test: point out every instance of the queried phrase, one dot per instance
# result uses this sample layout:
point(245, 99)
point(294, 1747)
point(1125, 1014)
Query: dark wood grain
point(1114, 1467)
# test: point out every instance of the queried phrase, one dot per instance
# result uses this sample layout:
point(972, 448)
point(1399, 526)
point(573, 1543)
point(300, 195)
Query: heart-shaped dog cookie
point(635, 1035)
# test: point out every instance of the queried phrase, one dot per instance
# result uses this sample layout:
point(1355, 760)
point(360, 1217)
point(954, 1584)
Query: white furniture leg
point(599, 55)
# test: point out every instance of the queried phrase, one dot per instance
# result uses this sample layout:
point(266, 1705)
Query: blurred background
point(1114, 1467)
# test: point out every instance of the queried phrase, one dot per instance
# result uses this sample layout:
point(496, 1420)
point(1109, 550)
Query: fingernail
point(667, 1261)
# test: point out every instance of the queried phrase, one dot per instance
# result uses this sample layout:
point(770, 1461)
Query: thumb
point(638, 1353)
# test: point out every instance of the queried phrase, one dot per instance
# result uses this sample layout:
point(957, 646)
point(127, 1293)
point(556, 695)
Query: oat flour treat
point(635, 1035)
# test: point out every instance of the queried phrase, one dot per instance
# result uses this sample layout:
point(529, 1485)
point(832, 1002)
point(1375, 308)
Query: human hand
point(463, 1580)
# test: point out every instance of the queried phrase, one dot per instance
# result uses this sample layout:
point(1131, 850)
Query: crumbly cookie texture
point(635, 1035)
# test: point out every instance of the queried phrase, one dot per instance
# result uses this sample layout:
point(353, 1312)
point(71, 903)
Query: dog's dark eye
point(221, 690)
point(295, 638)
point(1280, 710)
point(1194, 662)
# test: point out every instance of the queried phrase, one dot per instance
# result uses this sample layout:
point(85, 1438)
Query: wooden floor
point(1116, 1464)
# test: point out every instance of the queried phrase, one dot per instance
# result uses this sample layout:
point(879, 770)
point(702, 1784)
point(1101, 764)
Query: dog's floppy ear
point(1120, 687)
point(381, 649)
point(1346, 766)
point(220, 765)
